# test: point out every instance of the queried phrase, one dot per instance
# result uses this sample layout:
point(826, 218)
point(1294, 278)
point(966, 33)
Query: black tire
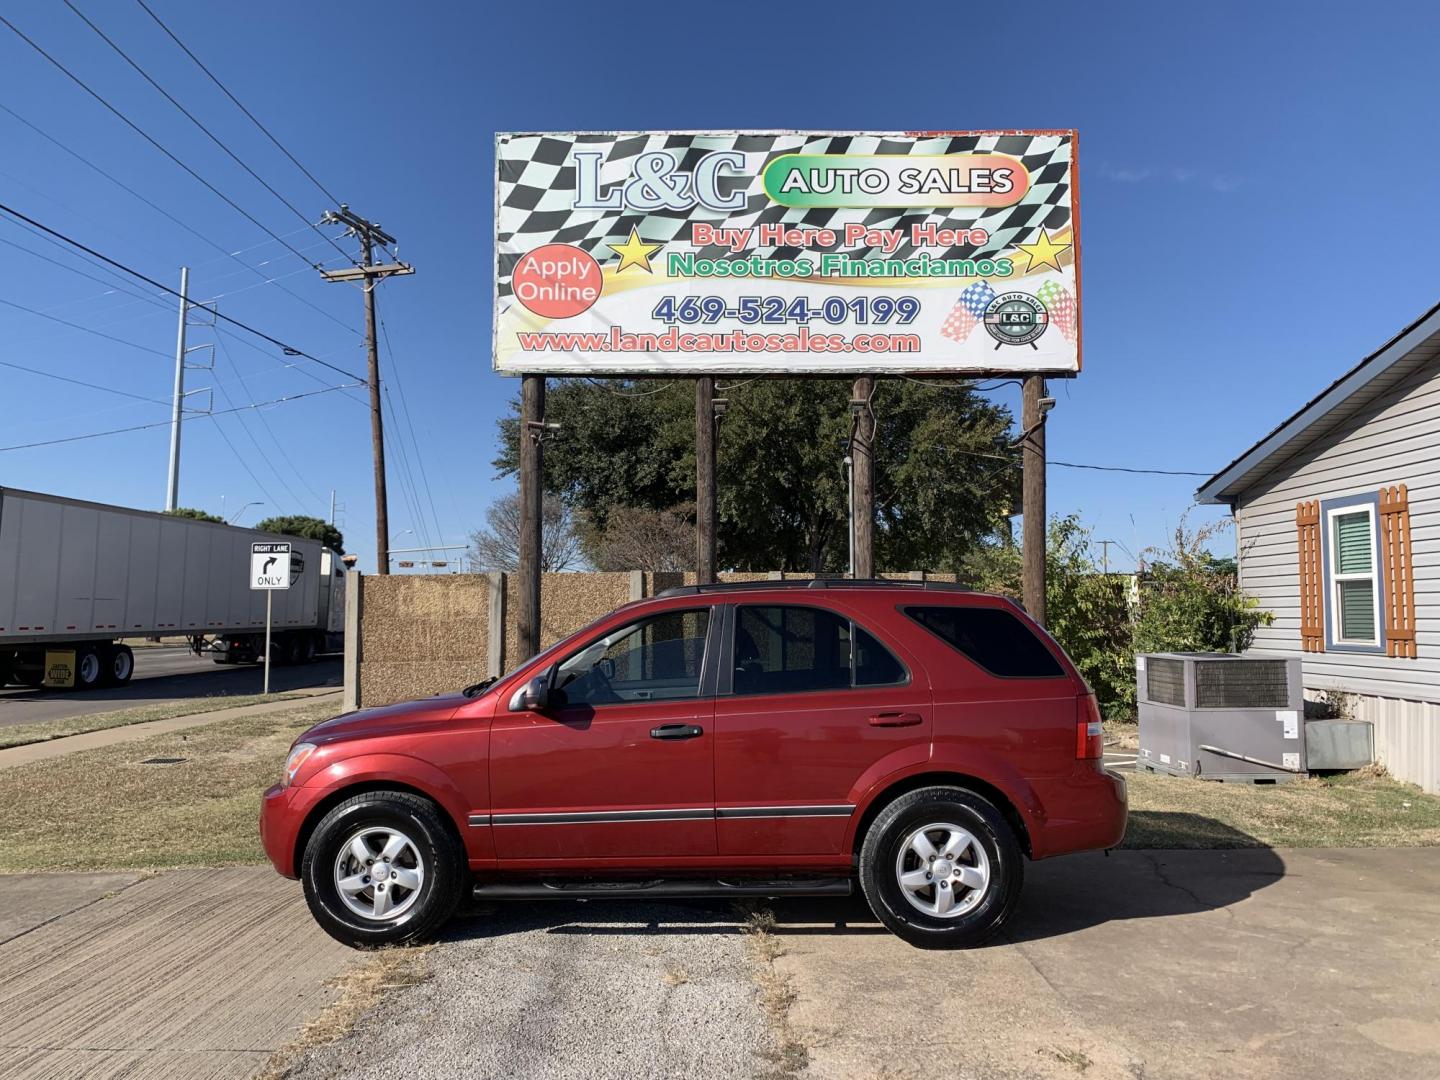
point(886, 844)
point(439, 853)
point(119, 663)
point(305, 649)
point(89, 667)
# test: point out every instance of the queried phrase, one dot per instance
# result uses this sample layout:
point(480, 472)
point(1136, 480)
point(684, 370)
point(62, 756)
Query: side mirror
point(534, 696)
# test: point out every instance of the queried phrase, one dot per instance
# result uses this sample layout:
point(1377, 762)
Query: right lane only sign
point(270, 566)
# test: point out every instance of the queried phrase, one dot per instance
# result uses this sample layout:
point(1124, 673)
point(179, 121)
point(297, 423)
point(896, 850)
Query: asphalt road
point(164, 674)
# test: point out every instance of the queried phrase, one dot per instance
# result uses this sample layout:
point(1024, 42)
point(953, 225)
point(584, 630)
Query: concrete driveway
point(1159, 965)
point(1155, 964)
point(187, 975)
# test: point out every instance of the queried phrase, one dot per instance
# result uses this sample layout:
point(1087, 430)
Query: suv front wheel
point(382, 869)
point(940, 867)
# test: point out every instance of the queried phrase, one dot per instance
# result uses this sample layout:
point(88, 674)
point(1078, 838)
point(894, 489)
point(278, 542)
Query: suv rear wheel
point(382, 869)
point(940, 867)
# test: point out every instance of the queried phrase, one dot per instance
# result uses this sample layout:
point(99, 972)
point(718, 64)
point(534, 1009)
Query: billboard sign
point(667, 253)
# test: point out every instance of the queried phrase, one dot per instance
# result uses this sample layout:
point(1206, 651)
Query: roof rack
point(814, 583)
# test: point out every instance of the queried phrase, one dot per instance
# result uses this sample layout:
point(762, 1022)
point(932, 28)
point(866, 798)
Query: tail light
point(1089, 732)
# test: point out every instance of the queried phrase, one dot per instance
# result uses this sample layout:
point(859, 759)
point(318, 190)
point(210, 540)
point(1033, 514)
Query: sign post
point(269, 570)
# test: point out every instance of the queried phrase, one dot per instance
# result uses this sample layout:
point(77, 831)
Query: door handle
point(677, 731)
point(895, 719)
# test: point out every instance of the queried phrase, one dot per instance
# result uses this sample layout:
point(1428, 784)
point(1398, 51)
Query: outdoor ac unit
point(1220, 716)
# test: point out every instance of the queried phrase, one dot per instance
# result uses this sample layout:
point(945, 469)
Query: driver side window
point(655, 659)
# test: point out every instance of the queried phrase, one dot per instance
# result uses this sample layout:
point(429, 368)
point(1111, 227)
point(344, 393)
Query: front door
point(815, 702)
point(621, 762)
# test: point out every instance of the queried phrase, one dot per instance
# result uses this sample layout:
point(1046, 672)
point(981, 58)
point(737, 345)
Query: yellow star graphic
point(634, 252)
point(1043, 252)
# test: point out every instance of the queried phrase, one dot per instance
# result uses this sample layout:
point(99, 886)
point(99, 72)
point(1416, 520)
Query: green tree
point(302, 525)
point(945, 477)
point(198, 515)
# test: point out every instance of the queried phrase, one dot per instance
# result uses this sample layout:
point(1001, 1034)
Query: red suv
point(768, 739)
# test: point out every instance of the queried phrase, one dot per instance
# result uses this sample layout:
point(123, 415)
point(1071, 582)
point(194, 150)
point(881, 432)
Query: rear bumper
point(1082, 812)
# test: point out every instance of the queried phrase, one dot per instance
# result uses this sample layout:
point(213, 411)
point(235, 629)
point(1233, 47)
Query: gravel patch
point(568, 989)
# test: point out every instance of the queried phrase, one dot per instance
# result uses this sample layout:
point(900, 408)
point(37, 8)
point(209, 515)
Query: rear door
point(810, 700)
point(621, 765)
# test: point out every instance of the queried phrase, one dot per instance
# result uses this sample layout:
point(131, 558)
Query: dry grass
point(360, 988)
point(675, 976)
point(103, 810)
point(1122, 734)
point(1350, 810)
point(787, 1055)
point(44, 731)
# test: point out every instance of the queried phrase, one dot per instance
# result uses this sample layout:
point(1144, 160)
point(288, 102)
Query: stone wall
point(413, 635)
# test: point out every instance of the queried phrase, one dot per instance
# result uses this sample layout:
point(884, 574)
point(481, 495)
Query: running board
point(679, 887)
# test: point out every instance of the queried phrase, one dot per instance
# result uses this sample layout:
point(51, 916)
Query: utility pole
point(705, 480)
point(1105, 556)
point(1034, 406)
point(369, 234)
point(532, 461)
point(172, 487)
point(862, 513)
point(332, 506)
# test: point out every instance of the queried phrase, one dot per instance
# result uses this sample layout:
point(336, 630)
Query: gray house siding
point(1396, 440)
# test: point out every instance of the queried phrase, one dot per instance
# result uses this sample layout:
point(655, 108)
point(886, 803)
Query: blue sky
point(1235, 159)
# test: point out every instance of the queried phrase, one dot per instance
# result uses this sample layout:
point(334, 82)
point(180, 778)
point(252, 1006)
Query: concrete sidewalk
point(189, 974)
point(41, 751)
point(1157, 964)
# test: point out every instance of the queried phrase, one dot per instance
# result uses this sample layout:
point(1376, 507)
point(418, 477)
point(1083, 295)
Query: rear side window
point(787, 650)
point(993, 638)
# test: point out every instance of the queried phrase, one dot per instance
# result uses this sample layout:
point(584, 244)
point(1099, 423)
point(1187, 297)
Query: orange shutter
point(1395, 555)
point(1312, 580)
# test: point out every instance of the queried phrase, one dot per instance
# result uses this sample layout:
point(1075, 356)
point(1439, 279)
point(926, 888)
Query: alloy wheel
point(378, 874)
point(942, 870)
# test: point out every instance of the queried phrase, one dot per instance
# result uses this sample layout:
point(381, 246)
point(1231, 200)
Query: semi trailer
point(76, 578)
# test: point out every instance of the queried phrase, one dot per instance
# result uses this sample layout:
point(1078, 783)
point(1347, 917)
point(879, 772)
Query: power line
point(79, 382)
point(146, 135)
point(284, 457)
point(221, 332)
point(414, 442)
point(1125, 469)
point(192, 118)
point(235, 255)
point(166, 423)
point(289, 350)
point(243, 463)
point(1076, 465)
point(111, 286)
point(85, 329)
point(236, 101)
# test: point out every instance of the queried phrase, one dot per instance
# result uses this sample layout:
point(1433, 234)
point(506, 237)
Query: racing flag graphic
point(1061, 306)
point(968, 311)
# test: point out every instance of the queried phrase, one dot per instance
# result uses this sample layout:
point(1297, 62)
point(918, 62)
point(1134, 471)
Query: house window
point(1354, 586)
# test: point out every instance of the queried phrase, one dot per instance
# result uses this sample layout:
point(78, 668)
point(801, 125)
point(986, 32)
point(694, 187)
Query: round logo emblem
point(1016, 318)
point(557, 281)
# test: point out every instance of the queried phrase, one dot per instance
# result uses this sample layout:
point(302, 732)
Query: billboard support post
point(532, 421)
point(704, 480)
point(1032, 498)
point(863, 477)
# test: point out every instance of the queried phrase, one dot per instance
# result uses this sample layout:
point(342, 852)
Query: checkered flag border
point(535, 192)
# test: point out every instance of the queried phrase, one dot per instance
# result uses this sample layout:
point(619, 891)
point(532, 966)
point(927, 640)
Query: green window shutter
point(1357, 610)
point(1353, 537)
